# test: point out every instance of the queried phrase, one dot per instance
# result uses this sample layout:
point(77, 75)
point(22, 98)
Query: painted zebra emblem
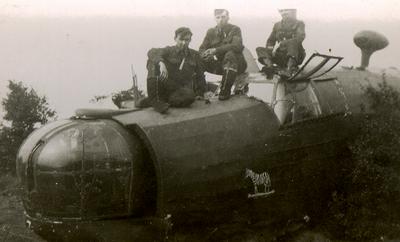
point(262, 179)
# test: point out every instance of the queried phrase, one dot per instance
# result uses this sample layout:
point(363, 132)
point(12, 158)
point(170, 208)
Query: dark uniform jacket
point(228, 38)
point(294, 34)
point(185, 68)
point(228, 44)
point(290, 30)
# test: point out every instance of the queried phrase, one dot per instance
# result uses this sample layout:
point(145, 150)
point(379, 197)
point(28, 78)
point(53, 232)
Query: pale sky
point(55, 55)
point(383, 10)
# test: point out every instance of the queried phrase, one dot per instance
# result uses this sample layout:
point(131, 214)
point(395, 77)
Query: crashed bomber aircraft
point(265, 151)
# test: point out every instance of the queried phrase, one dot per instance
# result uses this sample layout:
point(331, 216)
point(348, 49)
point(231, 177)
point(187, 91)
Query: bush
point(367, 205)
point(24, 109)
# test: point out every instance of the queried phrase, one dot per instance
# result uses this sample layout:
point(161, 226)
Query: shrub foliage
point(24, 109)
point(367, 205)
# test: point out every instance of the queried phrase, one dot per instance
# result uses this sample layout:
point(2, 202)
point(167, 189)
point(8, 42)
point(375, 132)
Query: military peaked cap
point(287, 10)
point(219, 11)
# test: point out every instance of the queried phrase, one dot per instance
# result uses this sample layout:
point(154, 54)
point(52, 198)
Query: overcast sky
point(319, 9)
point(74, 57)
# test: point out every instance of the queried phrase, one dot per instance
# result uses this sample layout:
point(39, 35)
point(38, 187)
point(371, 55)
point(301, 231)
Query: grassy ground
point(12, 227)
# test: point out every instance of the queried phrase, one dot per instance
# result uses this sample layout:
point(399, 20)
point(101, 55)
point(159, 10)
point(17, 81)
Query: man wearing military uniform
point(284, 46)
point(221, 51)
point(175, 74)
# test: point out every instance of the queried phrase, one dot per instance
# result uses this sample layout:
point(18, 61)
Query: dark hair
point(183, 31)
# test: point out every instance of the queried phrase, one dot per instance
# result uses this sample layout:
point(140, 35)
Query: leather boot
point(151, 92)
point(144, 102)
point(153, 100)
point(158, 103)
point(268, 62)
point(290, 69)
point(155, 93)
point(152, 79)
point(268, 69)
point(292, 65)
point(228, 79)
point(160, 106)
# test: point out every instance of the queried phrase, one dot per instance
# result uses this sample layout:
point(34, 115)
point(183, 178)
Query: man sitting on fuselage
point(284, 45)
point(222, 50)
point(175, 74)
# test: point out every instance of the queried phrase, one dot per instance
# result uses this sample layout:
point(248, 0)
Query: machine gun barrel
point(135, 89)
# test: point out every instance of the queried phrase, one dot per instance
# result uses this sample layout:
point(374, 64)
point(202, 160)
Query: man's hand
point(209, 53)
point(163, 71)
point(276, 46)
point(284, 42)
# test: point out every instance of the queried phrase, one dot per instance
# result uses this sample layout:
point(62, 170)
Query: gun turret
point(369, 42)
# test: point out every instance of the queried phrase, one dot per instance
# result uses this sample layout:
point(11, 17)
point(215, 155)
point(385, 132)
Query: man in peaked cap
point(175, 74)
point(221, 51)
point(284, 45)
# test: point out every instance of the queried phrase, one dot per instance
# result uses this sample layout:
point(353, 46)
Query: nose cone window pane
point(34, 138)
point(63, 151)
point(84, 171)
point(105, 149)
point(86, 146)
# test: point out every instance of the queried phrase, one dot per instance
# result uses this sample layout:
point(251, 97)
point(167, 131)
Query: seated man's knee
point(293, 49)
point(230, 61)
point(230, 55)
point(260, 49)
point(183, 97)
point(213, 66)
point(264, 55)
point(263, 52)
point(153, 69)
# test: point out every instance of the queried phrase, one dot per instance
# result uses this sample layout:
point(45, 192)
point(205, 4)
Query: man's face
point(182, 42)
point(288, 15)
point(222, 19)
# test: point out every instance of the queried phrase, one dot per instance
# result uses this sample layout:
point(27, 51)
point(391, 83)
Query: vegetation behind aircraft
point(365, 201)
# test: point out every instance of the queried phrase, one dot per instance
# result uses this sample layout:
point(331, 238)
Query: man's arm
point(236, 43)
point(300, 34)
point(200, 80)
point(157, 56)
point(272, 38)
point(206, 42)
